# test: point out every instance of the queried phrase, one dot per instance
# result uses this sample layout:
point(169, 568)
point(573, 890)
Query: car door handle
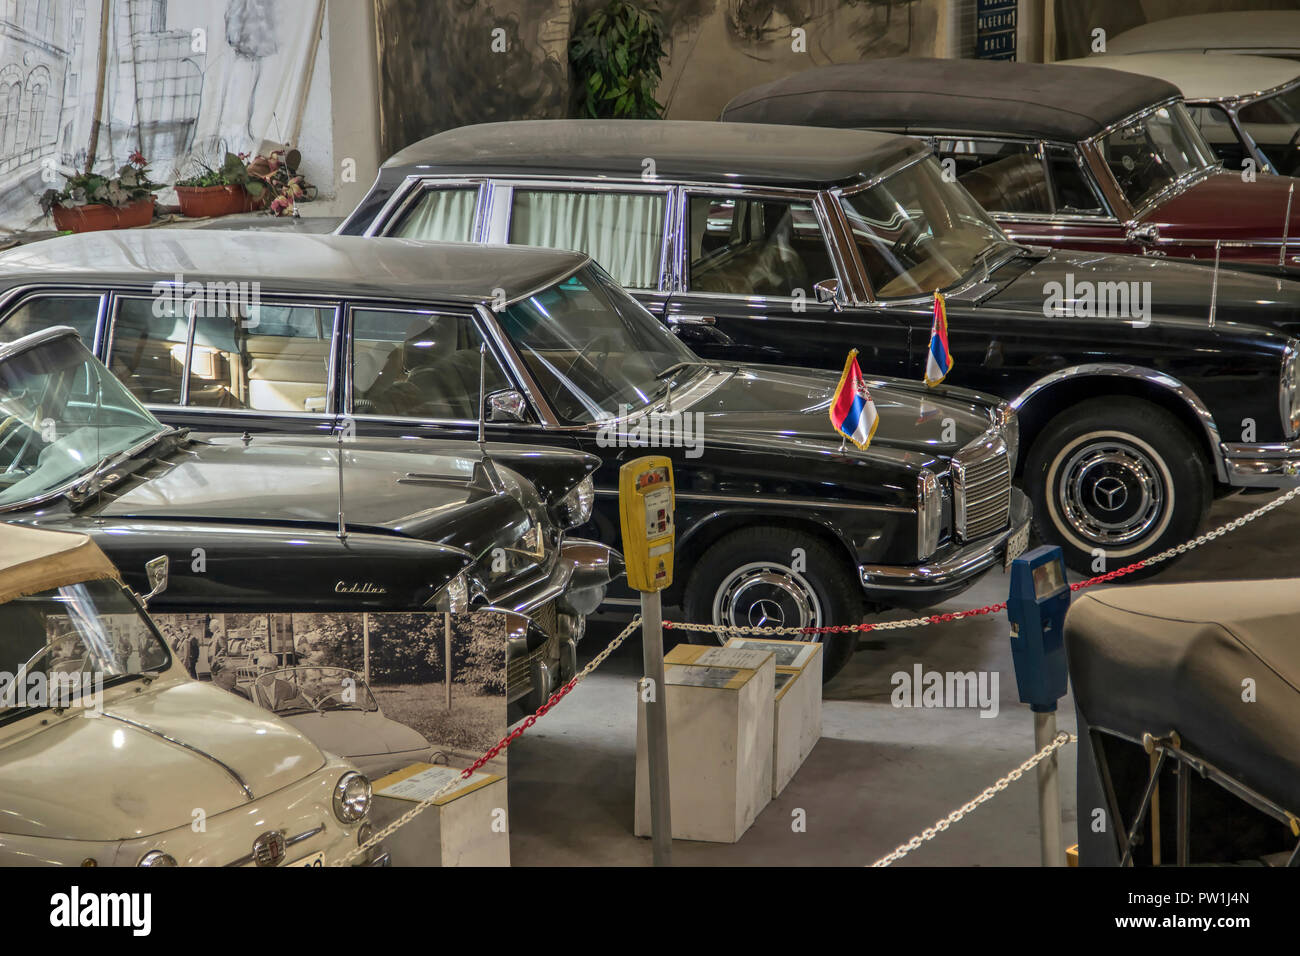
point(692, 320)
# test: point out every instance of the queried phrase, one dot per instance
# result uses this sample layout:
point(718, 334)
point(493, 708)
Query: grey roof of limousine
point(338, 265)
point(923, 95)
point(682, 150)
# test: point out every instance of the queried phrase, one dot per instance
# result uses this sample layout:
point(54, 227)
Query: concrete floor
point(879, 775)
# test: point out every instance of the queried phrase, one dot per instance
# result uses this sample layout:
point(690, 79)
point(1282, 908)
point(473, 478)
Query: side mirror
point(828, 291)
point(156, 571)
point(507, 406)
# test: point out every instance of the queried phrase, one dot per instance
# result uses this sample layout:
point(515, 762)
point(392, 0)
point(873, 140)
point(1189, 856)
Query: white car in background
point(335, 709)
point(1266, 32)
point(133, 763)
point(1248, 107)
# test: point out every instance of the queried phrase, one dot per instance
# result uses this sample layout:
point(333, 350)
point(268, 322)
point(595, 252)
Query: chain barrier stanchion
point(929, 833)
point(459, 780)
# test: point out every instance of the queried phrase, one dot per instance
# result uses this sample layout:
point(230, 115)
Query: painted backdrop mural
point(182, 79)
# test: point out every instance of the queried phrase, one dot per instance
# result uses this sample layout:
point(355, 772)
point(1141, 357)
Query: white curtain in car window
point(442, 214)
point(621, 231)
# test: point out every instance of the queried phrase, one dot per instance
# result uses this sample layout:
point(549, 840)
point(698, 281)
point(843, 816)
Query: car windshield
point(61, 413)
point(58, 646)
point(306, 690)
point(1147, 153)
point(917, 232)
point(1274, 124)
point(592, 348)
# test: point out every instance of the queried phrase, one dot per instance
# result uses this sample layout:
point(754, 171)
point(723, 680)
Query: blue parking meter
point(1039, 598)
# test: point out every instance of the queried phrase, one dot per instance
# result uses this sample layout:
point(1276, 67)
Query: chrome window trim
point(117, 293)
point(502, 206)
point(412, 188)
point(810, 197)
point(1178, 184)
point(351, 306)
point(1143, 374)
point(15, 296)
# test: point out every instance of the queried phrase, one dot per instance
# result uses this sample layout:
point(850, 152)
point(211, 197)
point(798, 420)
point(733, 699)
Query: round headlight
point(352, 797)
point(454, 598)
point(575, 508)
point(157, 858)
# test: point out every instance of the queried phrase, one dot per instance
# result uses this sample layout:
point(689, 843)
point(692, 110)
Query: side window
point(1217, 128)
point(1002, 175)
point(418, 364)
point(1274, 124)
point(263, 357)
point(1072, 191)
point(256, 356)
point(746, 245)
point(43, 311)
point(624, 232)
point(442, 214)
point(147, 350)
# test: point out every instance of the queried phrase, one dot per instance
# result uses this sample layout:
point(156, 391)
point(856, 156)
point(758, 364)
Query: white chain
point(458, 781)
point(929, 833)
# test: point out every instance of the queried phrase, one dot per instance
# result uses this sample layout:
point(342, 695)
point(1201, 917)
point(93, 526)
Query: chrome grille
point(981, 484)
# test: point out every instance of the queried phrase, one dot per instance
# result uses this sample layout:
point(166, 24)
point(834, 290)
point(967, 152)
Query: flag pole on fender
point(852, 412)
point(938, 362)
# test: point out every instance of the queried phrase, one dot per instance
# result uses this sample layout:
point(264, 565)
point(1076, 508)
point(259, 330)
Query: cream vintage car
point(111, 755)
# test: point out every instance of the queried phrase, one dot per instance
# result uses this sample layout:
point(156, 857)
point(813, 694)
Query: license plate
point(316, 859)
point(1016, 545)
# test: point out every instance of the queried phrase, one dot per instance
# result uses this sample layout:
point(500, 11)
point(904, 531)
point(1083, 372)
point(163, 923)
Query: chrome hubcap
point(1112, 492)
point(766, 594)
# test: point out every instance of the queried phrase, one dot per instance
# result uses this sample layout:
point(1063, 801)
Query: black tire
point(741, 567)
point(1125, 477)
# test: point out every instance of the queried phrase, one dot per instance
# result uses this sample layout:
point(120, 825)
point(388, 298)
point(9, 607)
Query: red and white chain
point(1235, 524)
point(459, 780)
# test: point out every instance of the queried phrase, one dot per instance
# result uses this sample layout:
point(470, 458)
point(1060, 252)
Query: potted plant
point(91, 201)
point(222, 191)
point(287, 187)
point(614, 61)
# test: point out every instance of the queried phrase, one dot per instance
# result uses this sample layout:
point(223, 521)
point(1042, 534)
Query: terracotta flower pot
point(94, 216)
point(200, 202)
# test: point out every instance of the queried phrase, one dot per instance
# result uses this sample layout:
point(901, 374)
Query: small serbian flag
point(852, 412)
point(939, 361)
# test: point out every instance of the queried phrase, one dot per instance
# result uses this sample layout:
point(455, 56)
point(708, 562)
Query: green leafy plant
point(614, 58)
point(232, 172)
point(86, 189)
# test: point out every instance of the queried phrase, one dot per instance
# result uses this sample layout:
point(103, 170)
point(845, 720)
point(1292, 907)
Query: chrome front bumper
point(956, 570)
point(1261, 465)
point(550, 617)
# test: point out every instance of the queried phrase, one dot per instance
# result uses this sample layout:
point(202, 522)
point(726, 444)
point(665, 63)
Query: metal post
point(1049, 791)
point(446, 655)
point(365, 647)
point(656, 715)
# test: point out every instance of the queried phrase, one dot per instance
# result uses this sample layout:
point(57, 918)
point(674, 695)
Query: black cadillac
point(301, 523)
point(1143, 387)
point(777, 522)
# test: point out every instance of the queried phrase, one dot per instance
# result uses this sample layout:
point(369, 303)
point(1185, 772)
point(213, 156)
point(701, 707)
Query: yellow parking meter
point(646, 497)
point(645, 509)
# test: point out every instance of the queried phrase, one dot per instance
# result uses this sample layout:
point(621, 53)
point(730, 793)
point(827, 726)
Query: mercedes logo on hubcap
point(1110, 494)
point(765, 612)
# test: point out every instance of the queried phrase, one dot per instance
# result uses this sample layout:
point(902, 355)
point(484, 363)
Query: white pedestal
point(719, 743)
point(466, 827)
point(797, 718)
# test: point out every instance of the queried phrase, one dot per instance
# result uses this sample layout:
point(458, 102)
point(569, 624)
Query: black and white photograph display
point(369, 687)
